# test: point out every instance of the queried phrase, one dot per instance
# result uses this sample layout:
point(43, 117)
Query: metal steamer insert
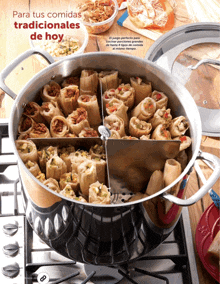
point(166, 49)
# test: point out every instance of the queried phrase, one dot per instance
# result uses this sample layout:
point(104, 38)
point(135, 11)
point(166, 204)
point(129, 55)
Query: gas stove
point(26, 259)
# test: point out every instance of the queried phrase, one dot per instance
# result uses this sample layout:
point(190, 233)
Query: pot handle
point(5, 72)
point(205, 188)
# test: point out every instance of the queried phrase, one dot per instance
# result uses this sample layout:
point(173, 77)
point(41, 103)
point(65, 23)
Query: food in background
point(96, 11)
point(67, 46)
point(151, 14)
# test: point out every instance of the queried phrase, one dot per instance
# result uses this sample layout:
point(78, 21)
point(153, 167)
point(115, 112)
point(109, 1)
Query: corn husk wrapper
point(27, 150)
point(33, 167)
point(138, 127)
point(51, 92)
point(107, 96)
point(49, 110)
point(77, 158)
point(129, 138)
point(66, 155)
point(88, 82)
point(45, 154)
point(145, 137)
point(39, 130)
point(108, 80)
point(100, 169)
point(126, 94)
point(72, 120)
point(25, 125)
point(72, 80)
point(113, 122)
point(172, 171)
point(185, 142)
point(67, 191)
point(161, 116)
point(117, 107)
point(99, 194)
point(52, 184)
point(178, 126)
point(90, 104)
point(161, 133)
point(142, 90)
point(114, 135)
point(32, 109)
point(88, 132)
point(160, 98)
point(41, 177)
point(70, 178)
point(156, 183)
point(55, 168)
point(97, 151)
point(145, 109)
point(68, 99)
point(87, 176)
point(59, 126)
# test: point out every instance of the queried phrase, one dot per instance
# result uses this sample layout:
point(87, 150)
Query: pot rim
point(174, 84)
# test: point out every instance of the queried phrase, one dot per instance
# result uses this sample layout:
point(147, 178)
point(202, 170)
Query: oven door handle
point(205, 188)
point(5, 72)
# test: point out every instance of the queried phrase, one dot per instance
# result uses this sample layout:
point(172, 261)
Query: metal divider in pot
point(110, 234)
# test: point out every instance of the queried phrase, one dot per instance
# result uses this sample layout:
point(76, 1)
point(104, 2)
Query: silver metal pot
point(104, 234)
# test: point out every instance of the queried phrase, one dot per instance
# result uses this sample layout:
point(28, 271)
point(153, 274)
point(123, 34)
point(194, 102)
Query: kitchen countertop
point(14, 42)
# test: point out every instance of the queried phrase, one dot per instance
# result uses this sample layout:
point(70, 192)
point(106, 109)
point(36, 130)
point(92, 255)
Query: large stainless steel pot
point(104, 234)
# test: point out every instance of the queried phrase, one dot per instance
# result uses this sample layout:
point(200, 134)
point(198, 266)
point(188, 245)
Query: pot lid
point(184, 47)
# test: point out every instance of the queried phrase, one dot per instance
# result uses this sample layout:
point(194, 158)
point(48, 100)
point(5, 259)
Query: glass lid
point(192, 54)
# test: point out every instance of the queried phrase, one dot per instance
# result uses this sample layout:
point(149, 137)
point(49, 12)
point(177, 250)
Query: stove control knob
point(11, 270)
point(11, 249)
point(10, 229)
